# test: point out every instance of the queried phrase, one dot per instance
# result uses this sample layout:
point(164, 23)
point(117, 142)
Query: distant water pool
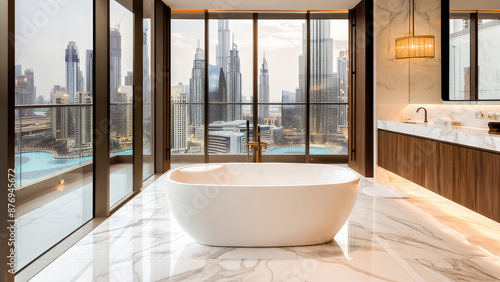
point(36, 165)
point(313, 150)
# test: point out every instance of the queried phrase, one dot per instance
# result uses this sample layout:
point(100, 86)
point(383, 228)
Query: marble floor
point(420, 238)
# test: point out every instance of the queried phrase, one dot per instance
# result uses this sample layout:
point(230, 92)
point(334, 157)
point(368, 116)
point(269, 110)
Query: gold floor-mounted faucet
point(257, 146)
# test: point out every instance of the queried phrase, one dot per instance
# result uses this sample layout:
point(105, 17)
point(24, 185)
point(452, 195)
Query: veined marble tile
point(252, 253)
point(167, 246)
point(342, 269)
point(63, 270)
point(146, 270)
point(452, 269)
point(261, 270)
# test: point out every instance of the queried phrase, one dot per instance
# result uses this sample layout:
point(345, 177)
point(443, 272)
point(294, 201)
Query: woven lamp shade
point(415, 47)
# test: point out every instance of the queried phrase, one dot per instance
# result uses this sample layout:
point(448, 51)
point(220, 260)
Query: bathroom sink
point(413, 122)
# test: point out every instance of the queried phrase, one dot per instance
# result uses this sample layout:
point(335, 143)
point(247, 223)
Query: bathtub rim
point(355, 180)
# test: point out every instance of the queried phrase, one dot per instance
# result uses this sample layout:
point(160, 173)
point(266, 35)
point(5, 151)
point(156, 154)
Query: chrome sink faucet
point(425, 117)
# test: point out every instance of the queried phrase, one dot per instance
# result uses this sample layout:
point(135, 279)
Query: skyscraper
point(60, 116)
point(233, 79)
point(18, 70)
point(83, 122)
point(323, 79)
point(217, 92)
point(123, 117)
point(197, 88)
point(115, 66)
point(129, 78)
point(179, 95)
point(264, 89)
point(222, 47)
point(146, 81)
point(74, 76)
point(89, 70)
point(343, 84)
point(25, 92)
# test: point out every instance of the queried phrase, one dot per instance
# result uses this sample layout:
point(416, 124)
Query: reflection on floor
point(44, 221)
point(422, 238)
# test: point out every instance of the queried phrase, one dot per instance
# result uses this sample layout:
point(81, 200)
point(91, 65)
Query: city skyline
point(79, 13)
point(279, 39)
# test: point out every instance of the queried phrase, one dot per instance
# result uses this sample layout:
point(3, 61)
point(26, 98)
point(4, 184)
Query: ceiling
point(262, 4)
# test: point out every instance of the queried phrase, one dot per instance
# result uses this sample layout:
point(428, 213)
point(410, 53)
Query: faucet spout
point(425, 113)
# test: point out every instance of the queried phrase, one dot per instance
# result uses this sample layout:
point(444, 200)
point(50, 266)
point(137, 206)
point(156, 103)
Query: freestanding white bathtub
point(261, 204)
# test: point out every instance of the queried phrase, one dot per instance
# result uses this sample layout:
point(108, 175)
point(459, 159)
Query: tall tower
point(323, 79)
point(179, 95)
point(233, 79)
point(343, 85)
point(89, 70)
point(197, 88)
point(264, 89)
point(146, 81)
point(74, 77)
point(25, 92)
point(222, 48)
point(115, 66)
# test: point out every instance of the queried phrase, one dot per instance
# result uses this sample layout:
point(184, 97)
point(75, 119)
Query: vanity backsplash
point(465, 114)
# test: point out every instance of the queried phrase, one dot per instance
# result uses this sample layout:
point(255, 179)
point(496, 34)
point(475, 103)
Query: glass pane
point(229, 136)
point(188, 58)
point(281, 60)
point(231, 57)
point(489, 59)
point(328, 124)
point(283, 135)
point(329, 61)
point(148, 102)
point(53, 153)
point(121, 97)
point(460, 59)
point(186, 137)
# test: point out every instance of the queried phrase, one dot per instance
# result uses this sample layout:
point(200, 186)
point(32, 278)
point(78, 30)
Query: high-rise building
point(115, 64)
point(25, 92)
point(89, 70)
point(217, 92)
point(264, 89)
point(55, 89)
point(233, 79)
point(197, 88)
point(129, 78)
point(83, 122)
point(222, 47)
point(290, 117)
point(60, 115)
point(343, 84)
point(18, 70)
point(146, 72)
point(179, 95)
point(74, 76)
point(124, 112)
point(323, 80)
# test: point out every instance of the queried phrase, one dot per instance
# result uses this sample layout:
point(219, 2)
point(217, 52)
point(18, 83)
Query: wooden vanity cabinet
point(465, 175)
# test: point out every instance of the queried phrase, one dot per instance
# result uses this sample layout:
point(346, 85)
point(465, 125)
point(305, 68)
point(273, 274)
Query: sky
point(43, 33)
point(279, 39)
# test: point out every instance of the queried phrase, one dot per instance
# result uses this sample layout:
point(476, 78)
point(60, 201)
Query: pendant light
point(412, 47)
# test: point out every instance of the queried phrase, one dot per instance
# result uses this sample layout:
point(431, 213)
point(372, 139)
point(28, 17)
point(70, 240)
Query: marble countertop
point(467, 136)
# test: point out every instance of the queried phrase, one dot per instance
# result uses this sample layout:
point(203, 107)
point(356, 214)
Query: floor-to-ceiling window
point(188, 88)
point(282, 85)
point(54, 126)
point(230, 85)
point(329, 63)
point(147, 97)
point(121, 99)
point(281, 94)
